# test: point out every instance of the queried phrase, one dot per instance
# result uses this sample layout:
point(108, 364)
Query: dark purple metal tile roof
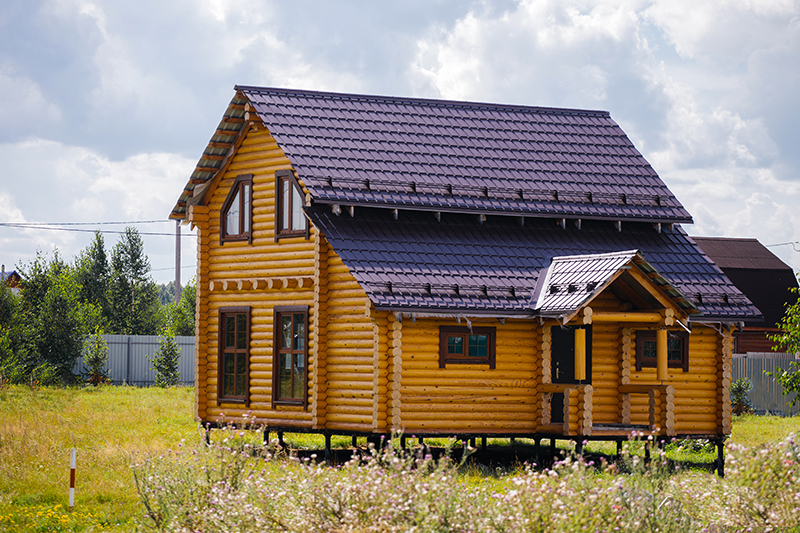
point(458, 264)
point(461, 156)
point(740, 253)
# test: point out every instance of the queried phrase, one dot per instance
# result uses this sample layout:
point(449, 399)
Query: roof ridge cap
point(426, 101)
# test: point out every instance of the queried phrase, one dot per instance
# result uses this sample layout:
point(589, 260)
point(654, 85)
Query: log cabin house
point(371, 264)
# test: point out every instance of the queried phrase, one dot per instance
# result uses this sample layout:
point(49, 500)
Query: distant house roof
point(740, 253)
point(417, 263)
point(441, 155)
point(11, 278)
point(755, 271)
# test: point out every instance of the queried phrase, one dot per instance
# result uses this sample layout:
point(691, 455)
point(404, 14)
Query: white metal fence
point(767, 395)
point(127, 362)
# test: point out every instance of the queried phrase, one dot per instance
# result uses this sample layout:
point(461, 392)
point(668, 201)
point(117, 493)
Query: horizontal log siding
point(470, 398)
point(264, 258)
point(350, 352)
point(606, 363)
point(697, 405)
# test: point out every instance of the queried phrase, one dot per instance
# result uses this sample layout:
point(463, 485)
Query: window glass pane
point(230, 363)
point(297, 210)
point(232, 217)
point(649, 349)
point(478, 345)
point(286, 331)
point(246, 211)
point(455, 345)
point(239, 385)
point(285, 204)
point(299, 375)
point(241, 332)
point(675, 350)
point(228, 385)
point(299, 332)
point(285, 376)
point(230, 331)
point(241, 364)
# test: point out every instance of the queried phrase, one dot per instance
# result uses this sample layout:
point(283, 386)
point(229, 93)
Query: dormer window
point(237, 213)
point(289, 218)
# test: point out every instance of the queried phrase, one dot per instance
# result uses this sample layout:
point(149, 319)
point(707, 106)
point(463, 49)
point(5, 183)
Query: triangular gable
point(572, 282)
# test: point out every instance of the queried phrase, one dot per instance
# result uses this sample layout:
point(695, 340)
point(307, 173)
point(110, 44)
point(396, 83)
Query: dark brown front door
point(563, 365)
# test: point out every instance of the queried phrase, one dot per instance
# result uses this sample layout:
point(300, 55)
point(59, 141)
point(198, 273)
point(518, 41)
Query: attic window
point(289, 218)
point(237, 212)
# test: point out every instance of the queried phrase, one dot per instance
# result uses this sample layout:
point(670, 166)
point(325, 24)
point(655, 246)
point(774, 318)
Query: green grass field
point(109, 426)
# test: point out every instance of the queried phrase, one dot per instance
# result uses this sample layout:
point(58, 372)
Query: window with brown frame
point(289, 218)
point(233, 379)
point(677, 349)
point(290, 356)
point(463, 345)
point(236, 214)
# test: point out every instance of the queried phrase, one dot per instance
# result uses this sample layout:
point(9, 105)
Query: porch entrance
point(563, 364)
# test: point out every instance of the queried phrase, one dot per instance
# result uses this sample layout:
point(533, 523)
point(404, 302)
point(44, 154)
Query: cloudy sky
point(106, 105)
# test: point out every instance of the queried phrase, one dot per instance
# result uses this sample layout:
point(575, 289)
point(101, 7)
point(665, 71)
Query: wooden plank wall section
point(697, 408)
point(259, 155)
point(470, 398)
point(350, 352)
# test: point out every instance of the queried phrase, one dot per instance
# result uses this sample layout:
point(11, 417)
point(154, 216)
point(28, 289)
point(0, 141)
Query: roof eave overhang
point(498, 212)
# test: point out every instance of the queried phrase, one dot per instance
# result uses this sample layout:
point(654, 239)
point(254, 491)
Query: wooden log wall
point(350, 352)
point(260, 275)
point(698, 407)
point(470, 398)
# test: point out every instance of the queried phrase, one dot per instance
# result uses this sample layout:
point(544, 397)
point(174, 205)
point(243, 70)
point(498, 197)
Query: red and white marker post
point(72, 462)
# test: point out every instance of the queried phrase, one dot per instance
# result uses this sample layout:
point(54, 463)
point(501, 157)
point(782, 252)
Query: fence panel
point(767, 394)
point(127, 362)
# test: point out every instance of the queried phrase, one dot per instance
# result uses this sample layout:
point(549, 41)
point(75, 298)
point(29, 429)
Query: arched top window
point(237, 212)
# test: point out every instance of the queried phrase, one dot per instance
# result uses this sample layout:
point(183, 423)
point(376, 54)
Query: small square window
point(677, 349)
point(462, 345)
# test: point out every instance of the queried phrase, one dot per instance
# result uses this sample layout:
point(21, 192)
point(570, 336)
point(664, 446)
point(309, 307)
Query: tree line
point(43, 328)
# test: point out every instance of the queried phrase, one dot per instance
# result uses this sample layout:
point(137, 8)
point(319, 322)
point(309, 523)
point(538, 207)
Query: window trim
point(242, 179)
point(280, 176)
point(643, 335)
point(449, 331)
point(277, 312)
point(221, 398)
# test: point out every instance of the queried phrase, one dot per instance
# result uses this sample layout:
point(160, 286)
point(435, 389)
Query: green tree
point(95, 357)
point(166, 360)
point(180, 317)
point(51, 320)
point(92, 272)
point(8, 305)
point(132, 294)
point(789, 338)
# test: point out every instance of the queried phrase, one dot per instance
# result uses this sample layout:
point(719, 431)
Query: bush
point(95, 357)
point(165, 362)
point(740, 403)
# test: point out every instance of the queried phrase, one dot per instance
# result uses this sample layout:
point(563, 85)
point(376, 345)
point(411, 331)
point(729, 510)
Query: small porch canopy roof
point(573, 281)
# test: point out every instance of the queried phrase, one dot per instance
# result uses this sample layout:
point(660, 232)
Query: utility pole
point(177, 261)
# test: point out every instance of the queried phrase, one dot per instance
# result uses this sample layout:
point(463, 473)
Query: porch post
point(661, 354)
point(580, 354)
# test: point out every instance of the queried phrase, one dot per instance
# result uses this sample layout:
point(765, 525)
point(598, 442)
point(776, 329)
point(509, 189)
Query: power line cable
point(793, 244)
point(84, 223)
point(77, 230)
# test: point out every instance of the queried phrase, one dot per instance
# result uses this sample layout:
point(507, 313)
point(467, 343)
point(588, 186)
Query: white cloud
point(75, 184)
point(23, 104)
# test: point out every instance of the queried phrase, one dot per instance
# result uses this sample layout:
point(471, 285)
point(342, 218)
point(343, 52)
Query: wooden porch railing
point(578, 407)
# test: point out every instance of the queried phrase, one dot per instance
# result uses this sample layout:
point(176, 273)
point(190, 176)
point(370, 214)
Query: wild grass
point(111, 427)
point(107, 425)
